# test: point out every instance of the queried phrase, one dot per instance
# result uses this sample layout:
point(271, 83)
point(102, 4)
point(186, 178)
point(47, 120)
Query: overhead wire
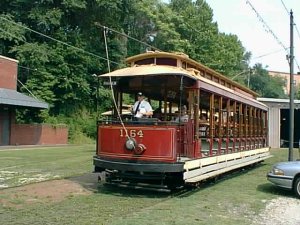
point(126, 35)
point(269, 53)
point(264, 55)
point(27, 89)
point(77, 48)
point(144, 43)
point(66, 44)
point(28, 68)
point(266, 26)
point(269, 30)
point(56, 40)
point(22, 84)
point(297, 30)
point(286, 9)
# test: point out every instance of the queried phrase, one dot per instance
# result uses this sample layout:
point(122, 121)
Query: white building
point(279, 121)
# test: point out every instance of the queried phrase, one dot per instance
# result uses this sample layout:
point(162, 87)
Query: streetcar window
point(145, 61)
point(208, 76)
point(215, 79)
point(166, 61)
point(191, 66)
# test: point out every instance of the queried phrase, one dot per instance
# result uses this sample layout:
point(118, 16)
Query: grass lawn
point(23, 166)
point(233, 200)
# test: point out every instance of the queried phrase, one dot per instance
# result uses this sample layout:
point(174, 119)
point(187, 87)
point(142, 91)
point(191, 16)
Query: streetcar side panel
point(152, 143)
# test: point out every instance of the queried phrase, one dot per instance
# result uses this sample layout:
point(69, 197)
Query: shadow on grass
point(222, 177)
point(90, 182)
point(274, 190)
point(134, 193)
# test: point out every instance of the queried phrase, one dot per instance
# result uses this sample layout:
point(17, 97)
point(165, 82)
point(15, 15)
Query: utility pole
point(291, 62)
point(248, 80)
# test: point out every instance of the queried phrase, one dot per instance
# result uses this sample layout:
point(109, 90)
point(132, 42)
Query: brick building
point(12, 133)
point(286, 77)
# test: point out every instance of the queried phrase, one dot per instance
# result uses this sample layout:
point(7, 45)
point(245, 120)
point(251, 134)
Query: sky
point(266, 44)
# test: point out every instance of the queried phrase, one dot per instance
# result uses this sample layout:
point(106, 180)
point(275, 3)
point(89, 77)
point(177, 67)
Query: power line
point(27, 89)
point(53, 39)
point(285, 7)
point(295, 28)
point(297, 31)
point(268, 29)
point(123, 34)
point(28, 68)
point(266, 26)
point(64, 43)
point(269, 53)
point(289, 15)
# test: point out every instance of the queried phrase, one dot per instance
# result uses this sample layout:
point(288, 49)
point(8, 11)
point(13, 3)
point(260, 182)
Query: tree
point(60, 44)
point(206, 44)
point(265, 85)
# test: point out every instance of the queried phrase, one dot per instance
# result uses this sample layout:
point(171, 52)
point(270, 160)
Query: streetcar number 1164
point(132, 133)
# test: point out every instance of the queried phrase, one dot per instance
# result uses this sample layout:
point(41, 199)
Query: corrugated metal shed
point(12, 97)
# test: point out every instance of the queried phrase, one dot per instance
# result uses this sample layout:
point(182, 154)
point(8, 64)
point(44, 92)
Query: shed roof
point(279, 103)
point(12, 97)
point(277, 100)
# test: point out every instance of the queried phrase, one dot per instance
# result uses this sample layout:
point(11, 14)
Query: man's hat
point(139, 94)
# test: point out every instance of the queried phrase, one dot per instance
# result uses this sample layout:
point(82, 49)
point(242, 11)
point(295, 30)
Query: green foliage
point(82, 126)
point(60, 72)
point(297, 92)
point(74, 4)
point(265, 85)
point(10, 34)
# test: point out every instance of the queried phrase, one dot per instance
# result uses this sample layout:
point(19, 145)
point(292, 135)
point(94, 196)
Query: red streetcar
point(226, 127)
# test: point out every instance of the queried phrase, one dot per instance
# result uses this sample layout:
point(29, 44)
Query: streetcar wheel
point(297, 187)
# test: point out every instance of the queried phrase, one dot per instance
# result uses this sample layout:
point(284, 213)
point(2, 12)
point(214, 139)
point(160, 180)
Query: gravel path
point(279, 211)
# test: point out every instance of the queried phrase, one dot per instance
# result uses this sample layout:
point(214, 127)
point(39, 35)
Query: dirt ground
point(282, 210)
point(48, 191)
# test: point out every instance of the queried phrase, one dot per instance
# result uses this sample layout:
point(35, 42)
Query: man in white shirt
point(141, 107)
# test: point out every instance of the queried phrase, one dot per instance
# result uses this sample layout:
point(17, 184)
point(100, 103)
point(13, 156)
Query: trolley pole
point(97, 96)
point(291, 62)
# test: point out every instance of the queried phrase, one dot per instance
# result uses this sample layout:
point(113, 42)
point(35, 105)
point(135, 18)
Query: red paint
point(38, 134)
point(9, 72)
point(160, 142)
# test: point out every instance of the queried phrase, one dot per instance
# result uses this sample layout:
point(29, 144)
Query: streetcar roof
point(185, 58)
point(156, 70)
point(145, 70)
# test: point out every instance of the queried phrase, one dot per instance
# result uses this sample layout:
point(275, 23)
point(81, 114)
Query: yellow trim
point(185, 58)
point(198, 163)
point(217, 169)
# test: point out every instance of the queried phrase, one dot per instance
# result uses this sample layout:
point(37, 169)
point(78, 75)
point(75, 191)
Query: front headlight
point(278, 172)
